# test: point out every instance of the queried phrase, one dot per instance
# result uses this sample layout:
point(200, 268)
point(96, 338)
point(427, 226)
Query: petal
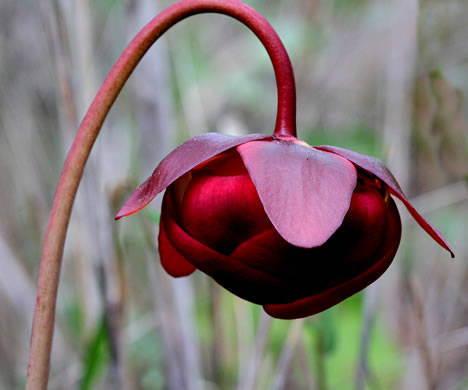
point(179, 162)
point(268, 251)
point(316, 303)
point(376, 167)
point(221, 207)
point(359, 238)
point(309, 270)
point(305, 192)
point(246, 282)
point(171, 260)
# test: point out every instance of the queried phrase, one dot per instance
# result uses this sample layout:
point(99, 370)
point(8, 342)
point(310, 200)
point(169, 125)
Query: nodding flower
point(275, 221)
point(292, 227)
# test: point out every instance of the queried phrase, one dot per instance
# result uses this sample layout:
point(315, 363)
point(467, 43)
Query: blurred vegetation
point(385, 78)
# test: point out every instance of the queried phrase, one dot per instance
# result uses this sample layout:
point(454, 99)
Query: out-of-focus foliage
point(385, 78)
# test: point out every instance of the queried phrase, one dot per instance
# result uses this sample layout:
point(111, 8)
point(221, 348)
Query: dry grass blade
point(284, 361)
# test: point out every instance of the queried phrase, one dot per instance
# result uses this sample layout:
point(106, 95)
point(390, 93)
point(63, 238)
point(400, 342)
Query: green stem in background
point(49, 273)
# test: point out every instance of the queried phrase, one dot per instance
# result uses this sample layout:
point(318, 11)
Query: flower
point(277, 222)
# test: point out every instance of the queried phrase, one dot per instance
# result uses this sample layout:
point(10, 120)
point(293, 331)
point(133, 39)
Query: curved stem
point(49, 273)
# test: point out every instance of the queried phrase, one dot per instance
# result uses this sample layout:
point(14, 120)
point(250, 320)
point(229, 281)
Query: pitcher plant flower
point(289, 226)
point(277, 222)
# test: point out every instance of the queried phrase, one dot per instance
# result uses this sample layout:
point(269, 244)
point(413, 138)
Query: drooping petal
point(305, 192)
point(307, 269)
point(335, 294)
point(376, 167)
point(221, 207)
point(171, 260)
point(246, 282)
point(270, 252)
point(353, 247)
point(179, 162)
point(360, 236)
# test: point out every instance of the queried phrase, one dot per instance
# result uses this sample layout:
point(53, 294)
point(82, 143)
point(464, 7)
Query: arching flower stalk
point(280, 223)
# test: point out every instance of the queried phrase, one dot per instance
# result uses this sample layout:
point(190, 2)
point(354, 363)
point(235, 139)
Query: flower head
point(277, 222)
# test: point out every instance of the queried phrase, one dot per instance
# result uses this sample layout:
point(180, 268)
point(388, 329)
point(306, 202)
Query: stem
point(49, 272)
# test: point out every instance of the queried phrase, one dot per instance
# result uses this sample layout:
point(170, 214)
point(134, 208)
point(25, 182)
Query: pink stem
point(49, 273)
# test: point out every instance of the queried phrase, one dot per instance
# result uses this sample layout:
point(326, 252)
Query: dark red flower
point(277, 222)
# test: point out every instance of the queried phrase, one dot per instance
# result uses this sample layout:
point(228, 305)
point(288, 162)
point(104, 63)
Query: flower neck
point(286, 87)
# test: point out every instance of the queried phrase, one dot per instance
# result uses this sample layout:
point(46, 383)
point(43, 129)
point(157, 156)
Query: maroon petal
point(171, 260)
point(180, 161)
point(221, 207)
point(359, 239)
point(241, 279)
point(269, 252)
point(305, 192)
point(306, 270)
point(376, 167)
point(318, 302)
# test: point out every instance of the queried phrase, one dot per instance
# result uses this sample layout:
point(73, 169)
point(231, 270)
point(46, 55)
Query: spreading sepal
point(376, 167)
